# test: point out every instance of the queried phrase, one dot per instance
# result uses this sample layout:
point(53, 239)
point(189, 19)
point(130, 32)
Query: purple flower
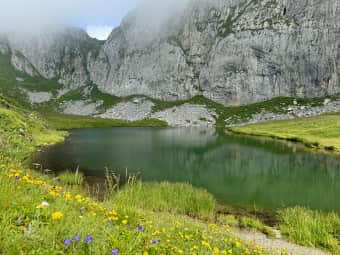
point(19, 221)
point(89, 239)
point(110, 223)
point(76, 238)
point(67, 242)
point(154, 241)
point(140, 228)
point(114, 252)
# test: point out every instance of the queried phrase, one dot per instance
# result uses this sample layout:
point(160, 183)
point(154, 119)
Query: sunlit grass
point(38, 215)
point(311, 228)
point(320, 132)
point(167, 197)
point(71, 178)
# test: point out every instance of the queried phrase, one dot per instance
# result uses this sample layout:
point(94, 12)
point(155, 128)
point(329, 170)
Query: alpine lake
point(240, 171)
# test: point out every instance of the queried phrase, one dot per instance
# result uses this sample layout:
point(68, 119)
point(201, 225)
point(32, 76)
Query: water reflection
point(238, 170)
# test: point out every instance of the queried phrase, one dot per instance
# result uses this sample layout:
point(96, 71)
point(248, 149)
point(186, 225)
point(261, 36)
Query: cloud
point(96, 16)
point(99, 32)
point(31, 15)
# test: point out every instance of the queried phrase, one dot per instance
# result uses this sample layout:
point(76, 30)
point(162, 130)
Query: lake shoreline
point(58, 211)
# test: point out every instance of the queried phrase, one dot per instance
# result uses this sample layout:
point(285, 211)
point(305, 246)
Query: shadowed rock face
point(231, 51)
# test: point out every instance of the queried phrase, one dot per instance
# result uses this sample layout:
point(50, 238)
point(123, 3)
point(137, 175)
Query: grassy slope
point(28, 226)
point(320, 132)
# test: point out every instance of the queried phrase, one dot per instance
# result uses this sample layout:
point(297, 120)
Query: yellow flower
point(67, 196)
point(57, 215)
point(124, 222)
point(216, 250)
point(145, 253)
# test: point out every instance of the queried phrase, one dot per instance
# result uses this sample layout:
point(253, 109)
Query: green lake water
point(238, 170)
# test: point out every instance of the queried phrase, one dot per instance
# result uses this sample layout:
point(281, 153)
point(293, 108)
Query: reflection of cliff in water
point(236, 169)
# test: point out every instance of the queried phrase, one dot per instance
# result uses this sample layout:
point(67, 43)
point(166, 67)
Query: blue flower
point(140, 228)
point(76, 238)
point(89, 239)
point(114, 252)
point(67, 242)
point(154, 241)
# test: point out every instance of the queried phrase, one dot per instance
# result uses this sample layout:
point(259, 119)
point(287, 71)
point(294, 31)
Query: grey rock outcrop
point(138, 109)
point(187, 115)
point(38, 97)
point(22, 64)
point(83, 108)
point(292, 112)
point(231, 51)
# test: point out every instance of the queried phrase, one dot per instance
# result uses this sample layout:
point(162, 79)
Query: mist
point(34, 15)
point(154, 13)
point(95, 16)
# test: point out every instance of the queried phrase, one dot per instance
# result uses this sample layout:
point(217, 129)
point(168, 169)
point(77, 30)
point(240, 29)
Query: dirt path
point(275, 245)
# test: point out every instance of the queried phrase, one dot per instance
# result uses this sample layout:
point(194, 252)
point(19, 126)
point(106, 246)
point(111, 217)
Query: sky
point(97, 17)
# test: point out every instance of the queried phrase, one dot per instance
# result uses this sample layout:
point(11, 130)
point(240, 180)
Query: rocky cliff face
point(58, 53)
point(231, 51)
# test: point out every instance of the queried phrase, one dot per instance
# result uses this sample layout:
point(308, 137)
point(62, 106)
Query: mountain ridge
point(232, 52)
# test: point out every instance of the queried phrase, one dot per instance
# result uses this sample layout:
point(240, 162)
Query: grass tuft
point(311, 228)
point(170, 197)
point(71, 178)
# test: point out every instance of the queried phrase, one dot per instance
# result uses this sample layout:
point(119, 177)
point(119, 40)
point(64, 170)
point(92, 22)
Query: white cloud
point(31, 15)
point(99, 32)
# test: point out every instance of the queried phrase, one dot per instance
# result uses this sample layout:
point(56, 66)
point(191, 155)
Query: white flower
point(43, 205)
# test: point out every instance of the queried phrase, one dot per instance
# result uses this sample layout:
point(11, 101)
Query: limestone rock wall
point(231, 51)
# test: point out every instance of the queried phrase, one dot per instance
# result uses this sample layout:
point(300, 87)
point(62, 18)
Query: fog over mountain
point(35, 15)
point(27, 16)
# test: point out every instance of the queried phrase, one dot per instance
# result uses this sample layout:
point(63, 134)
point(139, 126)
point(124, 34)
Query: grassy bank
point(322, 132)
point(66, 122)
point(311, 228)
point(40, 215)
point(44, 215)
